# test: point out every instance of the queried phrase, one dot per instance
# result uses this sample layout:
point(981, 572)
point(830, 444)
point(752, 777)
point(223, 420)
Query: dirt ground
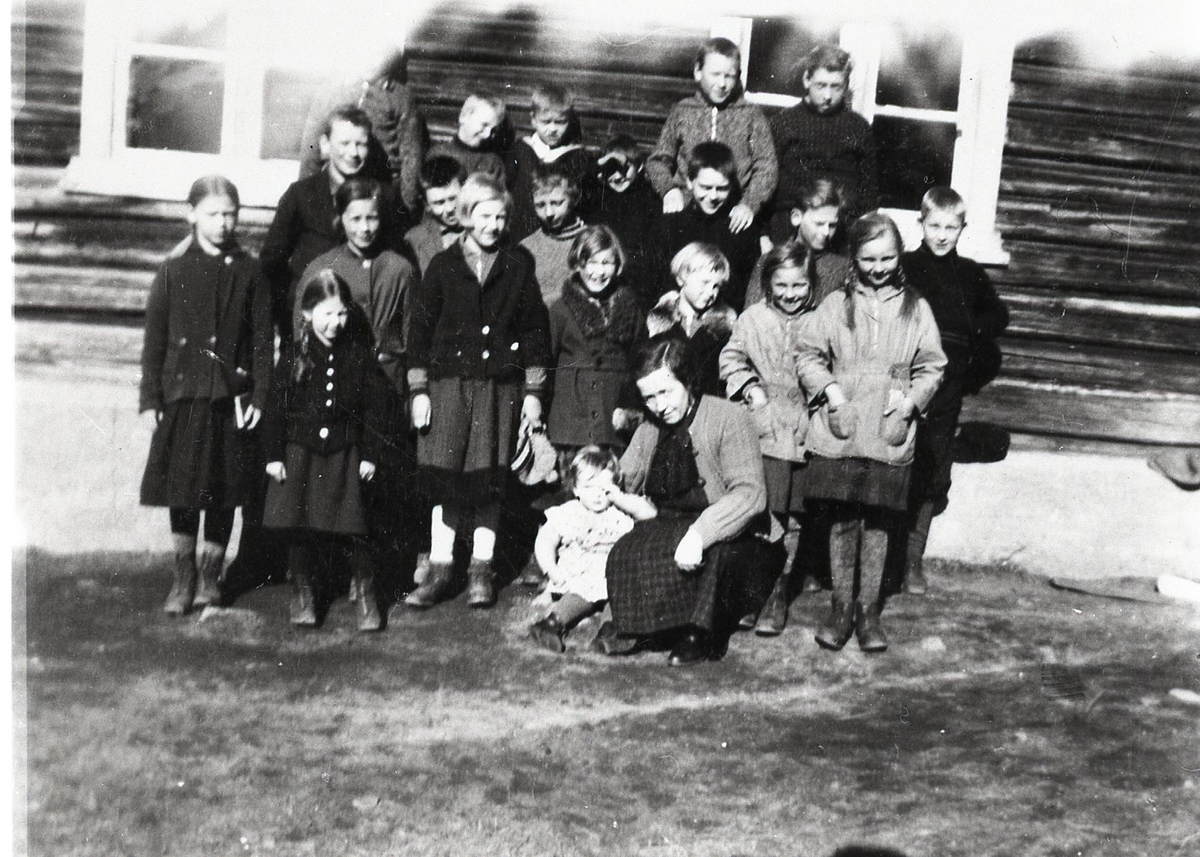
point(1008, 718)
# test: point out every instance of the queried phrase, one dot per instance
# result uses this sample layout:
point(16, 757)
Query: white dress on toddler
point(587, 539)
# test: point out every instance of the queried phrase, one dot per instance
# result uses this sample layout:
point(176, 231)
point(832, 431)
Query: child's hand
point(366, 471)
point(756, 397)
point(531, 411)
point(151, 418)
point(740, 218)
point(253, 415)
point(673, 201)
point(422, 409)
point(689, 553)
point(277, 471)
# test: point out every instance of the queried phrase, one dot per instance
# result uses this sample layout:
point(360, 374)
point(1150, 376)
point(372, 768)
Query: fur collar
point(718, 318)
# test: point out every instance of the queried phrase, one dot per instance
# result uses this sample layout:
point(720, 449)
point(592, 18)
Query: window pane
point(920, 68)
point(287, 96)
point(174, 104)
point(913, 156)
point(777, 46)
point(200, 26)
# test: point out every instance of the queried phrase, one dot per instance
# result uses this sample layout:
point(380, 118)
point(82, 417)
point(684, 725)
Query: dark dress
point(206, 341)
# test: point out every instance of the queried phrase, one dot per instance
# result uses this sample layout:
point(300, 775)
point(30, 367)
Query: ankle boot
point(548, 633)
point(914, 582)
point(773, 618)
point(438, 579)
point(481, 591)
point(183, 586)
point(870, 632)
point(369, 617)
point(304, 600)
point(838, 626)
point(212, 560)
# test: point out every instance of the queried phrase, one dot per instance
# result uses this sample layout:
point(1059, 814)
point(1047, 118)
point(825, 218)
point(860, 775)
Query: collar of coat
point(718, 318)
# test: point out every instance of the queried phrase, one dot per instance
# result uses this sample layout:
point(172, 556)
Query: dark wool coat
point(496, 331)
point(633, 216)
point(593, 358)
point(207, 327)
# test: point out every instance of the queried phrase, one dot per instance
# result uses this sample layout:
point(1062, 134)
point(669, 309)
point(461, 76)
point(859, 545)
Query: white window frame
point(981, 118)
point(107, 165)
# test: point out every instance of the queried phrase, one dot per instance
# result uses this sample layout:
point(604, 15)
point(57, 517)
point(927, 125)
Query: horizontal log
point(1088, 139)
point(1110, 366)
point(76, 289)
point(1111, 93)
point(1043, 315)
point(1051, 409)
point(1114, 271)
point(1135, 188)
point(1049, 221)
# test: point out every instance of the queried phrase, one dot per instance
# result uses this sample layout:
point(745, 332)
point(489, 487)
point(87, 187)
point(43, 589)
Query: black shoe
point(914, 582)
point(690, 649)
point(810, 584)
point(870, 633)
point(747, 622)
point(548, 633)
point(608, 642)
point(838, 627)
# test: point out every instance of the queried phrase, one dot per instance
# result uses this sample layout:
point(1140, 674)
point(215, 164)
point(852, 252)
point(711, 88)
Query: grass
point(451, 734)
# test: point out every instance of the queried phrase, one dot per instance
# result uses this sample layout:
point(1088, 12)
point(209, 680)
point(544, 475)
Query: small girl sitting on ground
point(572, 546)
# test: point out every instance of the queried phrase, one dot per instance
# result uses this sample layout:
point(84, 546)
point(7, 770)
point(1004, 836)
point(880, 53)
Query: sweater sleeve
point(278, 247)
point(426, 308)
point(736, 368)
point(662, 163)
point(929, 361)
point(635, 462)
point(263, 341)
point(534, 321)
point(154, 344)
point(764, 163)
point(733, 443)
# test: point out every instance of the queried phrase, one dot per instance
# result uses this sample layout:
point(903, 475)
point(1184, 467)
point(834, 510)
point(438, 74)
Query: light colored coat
point(885, 351)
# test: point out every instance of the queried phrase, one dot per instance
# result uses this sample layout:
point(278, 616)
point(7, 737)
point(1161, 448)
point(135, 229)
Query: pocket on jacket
point(894, 428)
point(842, 422)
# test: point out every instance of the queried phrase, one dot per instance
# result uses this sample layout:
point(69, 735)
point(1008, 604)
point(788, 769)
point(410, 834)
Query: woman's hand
point(531, 411)
point(422, 410)
point(366, 471)
point(151, 418)
point(277, 471)
point(689, 553)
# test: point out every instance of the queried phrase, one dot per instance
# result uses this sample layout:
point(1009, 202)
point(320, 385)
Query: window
point(936, 97)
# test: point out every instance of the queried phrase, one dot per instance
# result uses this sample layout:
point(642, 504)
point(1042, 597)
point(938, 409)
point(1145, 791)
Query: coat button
point(330, 357)
point(212, 340)
point(487, 329)
point(366, 263)
point(514, 346)
point(329, 371)
point(329, 386)
point(324, 433)
point(228, 260)
point(183, 340)
point(329, 403)
point(486, 354)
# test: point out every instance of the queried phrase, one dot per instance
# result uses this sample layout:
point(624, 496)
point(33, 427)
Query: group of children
point(357, 354)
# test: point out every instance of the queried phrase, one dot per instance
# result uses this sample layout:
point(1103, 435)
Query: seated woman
point(688, 574)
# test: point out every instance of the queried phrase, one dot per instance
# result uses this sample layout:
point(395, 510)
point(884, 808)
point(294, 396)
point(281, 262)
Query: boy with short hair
point(304, 226)
point(718, 113)
point(711, 182)
point(474, 143)
point(821, 136)
point(815, 217)
point(555, 202)
point(553, 141)
point(624, 201)
point(441, 180)
point(969, 316)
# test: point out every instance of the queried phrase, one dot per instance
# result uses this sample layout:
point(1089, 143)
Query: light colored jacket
point(885, 352)
point(762, 351)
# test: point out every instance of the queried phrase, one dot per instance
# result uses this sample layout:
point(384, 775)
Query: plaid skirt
point(786, 484)
point(200, 459)
point(321, 492)
point(859, 480)
point(649, 594)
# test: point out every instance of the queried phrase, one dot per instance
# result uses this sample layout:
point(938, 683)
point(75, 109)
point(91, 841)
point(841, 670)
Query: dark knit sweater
point(838, 145)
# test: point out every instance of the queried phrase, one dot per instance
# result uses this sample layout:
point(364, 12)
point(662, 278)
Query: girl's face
point(592, 489)
point(665, 396)
point(816, 226)
point(598, 271)
point(789, 289)
point(360, 222)
point(213, 220)
point(700, 287)
point(488, 220)
point(877, 261)
point(328, 319)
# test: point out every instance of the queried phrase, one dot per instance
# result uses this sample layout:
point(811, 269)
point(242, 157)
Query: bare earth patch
point(1008, 718)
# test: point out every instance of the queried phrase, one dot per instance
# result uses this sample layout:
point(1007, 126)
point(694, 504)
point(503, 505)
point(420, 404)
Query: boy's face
point(477, 126)
point(816, 226)
point(825, 90)
point(717, 77)
point(711, 189)
point(345, 146)
point(700, 287)
point(552, 207)
point(551, 126)
point(941, 230)
point(442, 203)
point(618, 171)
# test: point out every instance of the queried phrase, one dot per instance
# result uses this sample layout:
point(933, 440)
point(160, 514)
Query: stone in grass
point(933, 645)
point(232, 617)
point(365, 803)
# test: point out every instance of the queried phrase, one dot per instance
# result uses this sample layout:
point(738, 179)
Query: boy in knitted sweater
point(555, 202)
point(718, 113)
point(822, 137)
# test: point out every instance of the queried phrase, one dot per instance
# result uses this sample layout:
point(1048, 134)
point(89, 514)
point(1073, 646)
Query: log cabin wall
point(1098, 194)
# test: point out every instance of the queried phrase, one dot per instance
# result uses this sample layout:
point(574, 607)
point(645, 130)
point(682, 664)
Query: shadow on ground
point(1007, 718)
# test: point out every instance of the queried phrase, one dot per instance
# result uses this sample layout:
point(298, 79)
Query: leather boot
point(548, 633)
point(868, 628)
point(210, 564)
point(773, 618)
point(838, 626)
point(914, 561)
point(303, 611)
point(367, 604)
point(481, 590)
point(421, 569)
point(436, 584)
point(183, 586)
